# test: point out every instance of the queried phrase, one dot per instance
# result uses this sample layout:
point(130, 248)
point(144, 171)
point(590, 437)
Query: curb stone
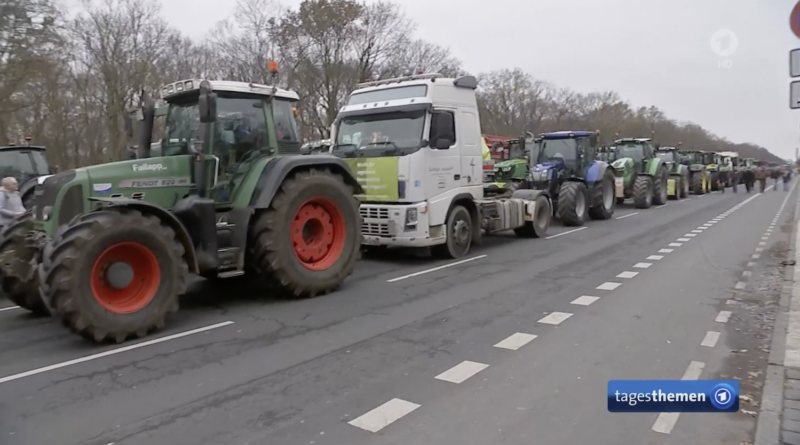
point(777, 394)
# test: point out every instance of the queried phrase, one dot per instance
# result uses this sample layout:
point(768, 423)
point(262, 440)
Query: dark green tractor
point(511, 174)
point(678, 182)
point(108, 248)
point(640, 174)
point(698, 177)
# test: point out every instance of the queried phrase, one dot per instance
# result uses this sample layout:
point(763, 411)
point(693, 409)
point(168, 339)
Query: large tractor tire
point(572, 203)
point(308, 240)
point(643, 192)
point(459, 235)
point(684, 187)
point(605, 208)
point(17, 288)
point(712, 182)
point(660, 196)
point(113, 273)
point(542, 219)
point(697, 184)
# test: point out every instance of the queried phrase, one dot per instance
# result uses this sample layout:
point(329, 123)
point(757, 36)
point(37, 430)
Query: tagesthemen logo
point(722, 396)
point(724, 42)
point(673, 396)
point(148, 167)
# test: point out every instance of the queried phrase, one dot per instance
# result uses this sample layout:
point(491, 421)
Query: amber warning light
point(272, 66)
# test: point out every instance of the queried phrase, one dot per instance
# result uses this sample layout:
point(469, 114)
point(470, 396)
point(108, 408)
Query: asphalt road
point(512, 345)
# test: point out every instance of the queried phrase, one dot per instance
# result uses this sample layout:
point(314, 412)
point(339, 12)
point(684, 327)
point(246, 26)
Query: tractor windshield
point(381, 134)
point(23, 164)
point(667, 156)
point(633, 151)
point(565, 150)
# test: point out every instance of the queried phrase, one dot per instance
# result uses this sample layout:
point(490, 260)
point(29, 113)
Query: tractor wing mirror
point(207, 103)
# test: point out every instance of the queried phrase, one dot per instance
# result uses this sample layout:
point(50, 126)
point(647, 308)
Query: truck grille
point(375, 229)
point(374, 212)
point(376, 221)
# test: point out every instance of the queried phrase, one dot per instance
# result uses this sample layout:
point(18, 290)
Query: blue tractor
point(579, 184)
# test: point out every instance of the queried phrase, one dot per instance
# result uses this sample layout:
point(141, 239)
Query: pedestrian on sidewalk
point(786, 178)
point(10, 202)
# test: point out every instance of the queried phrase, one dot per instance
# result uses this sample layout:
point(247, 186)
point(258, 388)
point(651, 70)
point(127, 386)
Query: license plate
point(371, 242)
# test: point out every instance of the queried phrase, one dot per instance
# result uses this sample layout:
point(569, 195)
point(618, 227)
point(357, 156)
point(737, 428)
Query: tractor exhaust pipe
point(148, 106)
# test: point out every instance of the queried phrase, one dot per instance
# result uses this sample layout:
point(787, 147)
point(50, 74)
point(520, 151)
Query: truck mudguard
point(279, 168)
point(145, 207)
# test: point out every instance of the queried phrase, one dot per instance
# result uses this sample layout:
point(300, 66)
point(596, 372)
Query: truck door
point(444, 163)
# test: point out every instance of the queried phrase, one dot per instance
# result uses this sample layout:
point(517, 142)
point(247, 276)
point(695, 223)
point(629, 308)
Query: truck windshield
point(383, 134)
point(633, 151)
point(558, 149)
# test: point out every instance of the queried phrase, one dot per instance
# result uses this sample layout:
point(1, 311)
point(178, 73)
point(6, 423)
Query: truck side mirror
point(442, 143)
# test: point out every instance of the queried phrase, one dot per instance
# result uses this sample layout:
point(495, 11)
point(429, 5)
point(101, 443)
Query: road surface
point(512, 345)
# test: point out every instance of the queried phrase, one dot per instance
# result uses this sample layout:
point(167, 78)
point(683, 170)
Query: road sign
point(794, 95)
point(794, 63)
point(794, 20)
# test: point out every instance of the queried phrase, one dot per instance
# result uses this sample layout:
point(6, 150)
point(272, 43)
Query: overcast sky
point(653, 52)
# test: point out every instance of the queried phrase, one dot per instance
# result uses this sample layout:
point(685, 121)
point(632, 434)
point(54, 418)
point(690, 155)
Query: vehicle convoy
point(512, 173)
point(678, 182)
point(578, 184)
point(641, 174)
point(25, 163)
point(424, 188)
point(108, 248)
point(698, 178)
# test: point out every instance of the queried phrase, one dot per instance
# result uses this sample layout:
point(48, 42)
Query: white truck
point(414, 143)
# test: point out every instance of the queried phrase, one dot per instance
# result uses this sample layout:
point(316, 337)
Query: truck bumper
point(387, 225)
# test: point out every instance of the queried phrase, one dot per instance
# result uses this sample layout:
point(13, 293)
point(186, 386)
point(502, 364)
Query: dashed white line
point(608, 285)
point(762, 243)
point(691, 235)
point(461, 372)
point(755, 256)
point(112, 352)
point(423, 272)
point(741, 285)
point(666, 421)
point(642, 265)
point(629, 214)
point(683, 240)
point(584, 300)
point(697, 231)
point(655, 257)
point(751, 264)
point(675, 244)
point(759, 249)
point(10, 308)
point(627, 274)
point(516, 341)
point(566, 233)
point(710, 340)
point(666, 250)
point(555, 318)
point(746, 273)
point(723, 317)
point(384, 415)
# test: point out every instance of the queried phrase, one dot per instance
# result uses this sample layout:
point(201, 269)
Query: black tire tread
point(599, 212)
point(13, 287)
point(640, 187)
point(567, 199)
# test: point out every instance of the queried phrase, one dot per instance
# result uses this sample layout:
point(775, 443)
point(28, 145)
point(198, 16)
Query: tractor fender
point(281, 167)
point(596, 171)
point(466, 200)
point(654, 166)
point(164, 215)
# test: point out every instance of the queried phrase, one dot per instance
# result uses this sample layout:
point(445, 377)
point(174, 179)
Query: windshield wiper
point(393, 150)
point(346, 150)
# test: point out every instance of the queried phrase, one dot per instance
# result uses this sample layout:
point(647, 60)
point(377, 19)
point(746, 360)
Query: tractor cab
point(25, 163)
point(562, 155)
point(607, 154)
point(669, 155)
point(638, 150)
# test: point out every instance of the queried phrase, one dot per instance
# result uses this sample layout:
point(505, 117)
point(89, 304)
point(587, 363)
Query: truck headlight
point(411, 217)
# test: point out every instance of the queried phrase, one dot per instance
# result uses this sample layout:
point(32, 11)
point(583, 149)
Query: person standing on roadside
point(786, 177)
point(10, 202)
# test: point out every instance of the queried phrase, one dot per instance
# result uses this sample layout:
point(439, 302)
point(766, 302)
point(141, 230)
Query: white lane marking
point(702, 228)
point(666, 421)
point(707, 225)
point(627, 274)
point(731, 302)
point(423, 272)
point(697, 231)
point(112, 352)
point(747, 273)
point(710, 340)
point(740, 285)
point(584, 300)
point(658, 207)
point(642, 265)
point(629, 214)
point(755, 256)
point(566, 233)
point(675, 244)
point(759, 249)
point(751, 264)
point(655, 257)
point(691, 235)
point(762, 243)
point(10, 308)
point(516, 341)
point(384, 415)
point(608, 285)
point(555, 318)
point(666, 250)
point(461, 372)
point(683, 240)
point(723, 317)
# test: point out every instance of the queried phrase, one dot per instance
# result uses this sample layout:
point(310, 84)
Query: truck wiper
point(389, 150)
point(346, 150)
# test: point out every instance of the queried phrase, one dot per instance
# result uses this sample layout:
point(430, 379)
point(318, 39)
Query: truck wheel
point(543, 216)
point(572, 203)
point(308, 240)
point(112, 274)
point(15, 287)
point(643, 192)
point(459, 235)
point(660, 189)
point(605, 209)
point(697, 184)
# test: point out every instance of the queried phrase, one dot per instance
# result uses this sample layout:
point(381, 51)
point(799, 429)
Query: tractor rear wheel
point(643, 192)
point(572, 203)
point(16, 288)
point(660, 195)
point(605, 208)
point(684, 189)
point(308, 240)
point(112, 274)
point(697, 184)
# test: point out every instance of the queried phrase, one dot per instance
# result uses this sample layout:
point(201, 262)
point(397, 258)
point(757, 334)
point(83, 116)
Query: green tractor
point(607, 154)
point(712, 164)
point(511, 174)
point(640, 174)
point(698, 178)
point(108, 248)
point(678, 182)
